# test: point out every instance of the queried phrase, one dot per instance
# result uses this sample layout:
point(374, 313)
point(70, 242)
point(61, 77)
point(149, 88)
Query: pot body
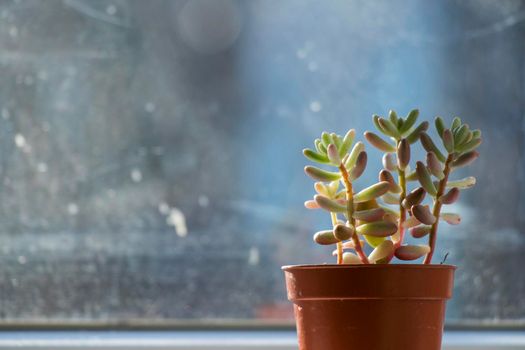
point(372, 307)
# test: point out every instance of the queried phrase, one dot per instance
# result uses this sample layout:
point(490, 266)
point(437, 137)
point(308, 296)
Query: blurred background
point(150, 152)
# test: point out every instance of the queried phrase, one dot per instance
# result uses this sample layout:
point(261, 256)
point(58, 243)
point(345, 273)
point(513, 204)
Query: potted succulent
point(363, 302)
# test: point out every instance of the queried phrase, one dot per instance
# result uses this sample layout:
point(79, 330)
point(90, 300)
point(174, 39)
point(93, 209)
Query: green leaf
point(378, 142)
point(382, 252)
point(424, 178)
point(448, 140)
point(411, 252)
point(352, 158)
point(390, 198)
point(469, 146)
point(389, 127)
point(376, 118)
point(476, 134)
point(348, 140)
point(456, 123)
point(371, 192)
point(429, 146)
point(374, 241)
point(416, 133)
point(462, 184)
point(315, 157)
point(320, 147)
point(325, 237)
point(325, 137)
point(329, 204)
point(377, 229)
point(409, 121)
point(440, 126)
point(393, 117)
point(423, 214)
point(320, 174)
point(336, 140)
point(411, 176)
point(461, 134)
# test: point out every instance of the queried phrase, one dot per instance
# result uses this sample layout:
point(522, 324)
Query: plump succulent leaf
point(389, 162)
point(333, 154)
point(352, 158)
point(325, 237)
point(320, 174)
point(415, 197)
point(450, 197)
point(326, 138)
point(377, 229)
point(321, 188)
point(315, 156)
point(461, 135)
point(465, 159)
point(411, 175)
point(440, 126)
point(411, 252)
point(390, 198)
point(409, 121)
point(389, 128)
point(430, 146)
point(347, 142)
point(379, 128)
point(456, 123)
point(416, 133)
point(373, 241)
point(359, 166)
point(343, 232)
point(336, 140)
point(476, 134)
point(403, 154)
point(369, 215)
point(450, 218)
point(371, 192)
point(411, 221)
point(462, 184)
point(351, 258)
point(423, 214)
point(329, 204)
point(434, 165)
point(392, 115)
point(378, 142)
point(425, 179)
point(448, 140)
point(311, 204)
point(420, 231)
point(382, 253)
point(385, 175)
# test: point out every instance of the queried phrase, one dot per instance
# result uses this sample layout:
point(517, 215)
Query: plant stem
point(350, 213)
point(402, 210)
point(339, 244)
point(437, 209)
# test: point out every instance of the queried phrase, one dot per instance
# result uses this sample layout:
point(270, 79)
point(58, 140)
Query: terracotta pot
point(369, 307)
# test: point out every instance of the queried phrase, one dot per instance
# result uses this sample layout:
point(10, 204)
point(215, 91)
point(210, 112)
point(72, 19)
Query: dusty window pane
point(150, 151)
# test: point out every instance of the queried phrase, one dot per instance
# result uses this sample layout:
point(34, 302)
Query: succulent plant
point(367, 217)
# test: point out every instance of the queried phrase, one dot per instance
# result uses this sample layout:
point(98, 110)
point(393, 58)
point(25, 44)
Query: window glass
point(150, 152)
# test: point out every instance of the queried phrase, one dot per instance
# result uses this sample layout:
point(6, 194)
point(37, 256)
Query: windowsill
point(221, 340)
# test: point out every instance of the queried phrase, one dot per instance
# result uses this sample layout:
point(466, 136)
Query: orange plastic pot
point(372, 307)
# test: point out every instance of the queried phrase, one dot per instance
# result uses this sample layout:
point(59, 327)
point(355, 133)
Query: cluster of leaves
point(368, 216)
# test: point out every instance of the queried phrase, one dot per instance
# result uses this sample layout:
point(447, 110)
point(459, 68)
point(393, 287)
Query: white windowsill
point(221, 340)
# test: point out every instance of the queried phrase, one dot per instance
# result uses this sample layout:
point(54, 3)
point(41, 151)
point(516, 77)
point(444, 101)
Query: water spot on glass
point(177, 219)
point(136, 175)
point(301, 54)
point(315, 106)
point(149, 107)
point(20, 141)
point(72, 209)
point(164, 208)
point(253, 256)
point(13, 32)
point(312, 66)
point(22, 260)
point(42, 167)
point(111, 10)
point(204, 201)
point(5, 113)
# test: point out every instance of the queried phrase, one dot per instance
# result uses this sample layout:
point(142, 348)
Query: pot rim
point(367, 266)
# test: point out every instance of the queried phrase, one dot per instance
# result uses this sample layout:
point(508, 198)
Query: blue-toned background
point(150, 152)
